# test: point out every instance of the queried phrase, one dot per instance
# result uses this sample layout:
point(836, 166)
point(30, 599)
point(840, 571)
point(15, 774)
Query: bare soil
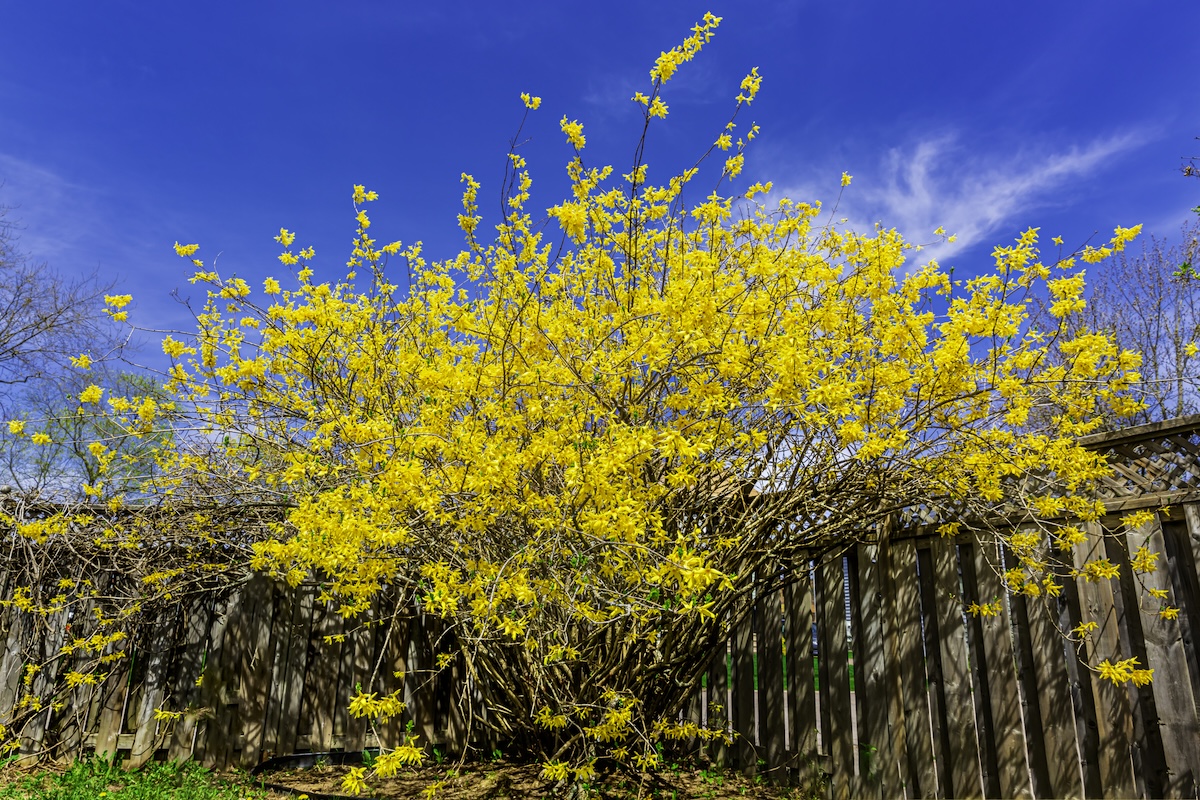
point(485, 781)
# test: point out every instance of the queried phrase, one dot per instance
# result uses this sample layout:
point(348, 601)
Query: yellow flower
point(185, 250)
point(573, 219)
point(574, 131)
point(353, 781)
point(530, 102)
point(1084, 628)
point(554, 771)
point(750, 86)
point(1144, 561)
point(40, 438)
point(82, 361)
point(985, 610)
point(91, 394)
point(117, 300)
point(174, 348)
point(1137, 519)
point(16, 426)
point(846, 178)
point(1097, 570)
point(364, 705)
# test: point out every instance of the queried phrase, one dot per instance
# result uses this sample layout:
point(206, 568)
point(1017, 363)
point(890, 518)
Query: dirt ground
point(506, 780)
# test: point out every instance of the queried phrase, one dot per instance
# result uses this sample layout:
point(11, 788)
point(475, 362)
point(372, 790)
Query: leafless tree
point(1149, 300)
point(45, 316)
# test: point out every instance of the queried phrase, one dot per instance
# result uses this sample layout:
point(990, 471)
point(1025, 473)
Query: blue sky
point(127, 126)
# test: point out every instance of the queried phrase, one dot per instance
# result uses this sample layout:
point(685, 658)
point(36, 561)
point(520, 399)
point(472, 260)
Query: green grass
point(100, 779)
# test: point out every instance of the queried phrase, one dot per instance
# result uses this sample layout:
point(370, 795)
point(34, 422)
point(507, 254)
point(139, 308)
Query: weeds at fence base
point(105, 779)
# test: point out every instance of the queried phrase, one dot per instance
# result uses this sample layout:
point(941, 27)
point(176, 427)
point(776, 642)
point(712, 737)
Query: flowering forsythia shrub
point(579, 441)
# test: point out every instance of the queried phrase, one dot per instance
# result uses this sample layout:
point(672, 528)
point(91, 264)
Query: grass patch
point(103, 779)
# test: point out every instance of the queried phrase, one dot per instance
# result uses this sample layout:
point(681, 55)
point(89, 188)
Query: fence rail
point(861, 665)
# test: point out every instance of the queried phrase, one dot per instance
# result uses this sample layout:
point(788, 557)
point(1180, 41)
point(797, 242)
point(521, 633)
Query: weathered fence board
point(772, 704)
point(802, 706)
point(197, 625)
point(874, 742)
point(744, 748)
point(963, 778)
point(835, 676)
point(1114, 717)
point(1049, 686)
point(1173, 698)
point(922, 777)
point(718, 700)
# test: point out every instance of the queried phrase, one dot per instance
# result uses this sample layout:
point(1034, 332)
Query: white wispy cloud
point(54, 217)
point(79, 230)
point(938, 182)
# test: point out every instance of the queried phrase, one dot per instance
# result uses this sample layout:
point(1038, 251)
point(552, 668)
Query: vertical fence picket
point(213, 731)
point(48, 645)
point(1031, 705)
point(931, 644)
point(719, 701)
point(394, 675)
point(293, 680)
point(922, 777)
point(963, 755)
point(1048, 661)
point(196, 623)
point(1114, 716)
point(874, 744)
point(422, 670)
point(1001, 676)
point(982, 688)
point(834, 655)
point(156, 651)
point(898, 754)
point(1083, 701)
point(19, 627)
point(1183, 548)
point(743, 690)
point(1173, 699)
point(255, 684)
point(360, 654)
point(275, 691)
point(692, 712)
point(802, 706)
point(325, 672)
point(768, 617)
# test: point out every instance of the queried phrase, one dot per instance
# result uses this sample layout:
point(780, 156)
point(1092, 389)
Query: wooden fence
point(863, 667)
